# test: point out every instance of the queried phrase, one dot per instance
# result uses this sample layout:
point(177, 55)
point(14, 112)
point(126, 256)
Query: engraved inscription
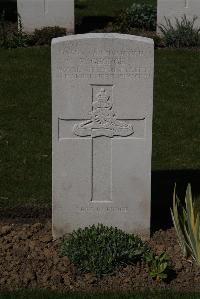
point(104, 72)
point(103, 120)
point(104, 209)
point(74, 49)
point(103, 63)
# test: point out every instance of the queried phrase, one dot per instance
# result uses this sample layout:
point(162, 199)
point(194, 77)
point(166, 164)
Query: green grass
point(25, 122)
point(25, 126)
point(52, 295)
point(176, 127)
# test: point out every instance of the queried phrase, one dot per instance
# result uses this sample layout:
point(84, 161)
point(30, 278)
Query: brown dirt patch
point(29, 259)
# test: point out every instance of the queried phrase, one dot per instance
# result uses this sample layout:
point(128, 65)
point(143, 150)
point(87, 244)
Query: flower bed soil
point(29, 258)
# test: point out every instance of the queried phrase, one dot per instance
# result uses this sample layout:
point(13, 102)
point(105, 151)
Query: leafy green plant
point(44, 35)
point(183, 33)
point(187, 224)
point(158, 265)
point(141, 16)
point(100, 249)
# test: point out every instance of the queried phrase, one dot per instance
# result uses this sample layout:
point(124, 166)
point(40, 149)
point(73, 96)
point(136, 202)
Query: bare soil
point(29, 258)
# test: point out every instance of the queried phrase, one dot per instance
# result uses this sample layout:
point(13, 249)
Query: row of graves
point(42, 13)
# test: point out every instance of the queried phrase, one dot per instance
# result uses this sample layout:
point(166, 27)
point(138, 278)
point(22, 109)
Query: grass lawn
point(25, 123)
point(176, 127)
point(53, 295)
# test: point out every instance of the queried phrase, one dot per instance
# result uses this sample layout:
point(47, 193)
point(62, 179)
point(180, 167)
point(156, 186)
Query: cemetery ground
point(29, 257)
point(53, 295)
point(26, 123)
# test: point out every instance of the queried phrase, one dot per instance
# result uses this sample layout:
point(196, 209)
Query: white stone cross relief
point(186, 3)
point(45, 7)
point(102, 127)
point(102, 108)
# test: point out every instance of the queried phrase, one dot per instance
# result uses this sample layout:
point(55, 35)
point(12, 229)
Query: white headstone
point(102, 131)
point(172, 9)
point(42, 13)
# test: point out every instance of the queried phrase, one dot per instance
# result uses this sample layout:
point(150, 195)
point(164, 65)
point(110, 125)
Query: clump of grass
point(183, 34)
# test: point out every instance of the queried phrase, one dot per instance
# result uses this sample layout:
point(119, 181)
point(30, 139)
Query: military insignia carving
point(103, 120)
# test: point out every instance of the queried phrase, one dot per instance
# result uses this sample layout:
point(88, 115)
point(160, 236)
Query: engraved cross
point(186, 3)
point(45, 4)
point(101, 128)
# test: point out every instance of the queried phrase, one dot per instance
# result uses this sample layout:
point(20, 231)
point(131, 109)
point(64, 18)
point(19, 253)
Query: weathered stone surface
point(42, 13)
point(172, 9)
point(102, 131)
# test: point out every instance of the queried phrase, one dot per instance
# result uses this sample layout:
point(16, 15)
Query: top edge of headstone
point(102, 35)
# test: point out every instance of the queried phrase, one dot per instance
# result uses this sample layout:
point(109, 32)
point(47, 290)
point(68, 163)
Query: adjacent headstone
point(172, 9)
point(42, 13)
point(102, 131)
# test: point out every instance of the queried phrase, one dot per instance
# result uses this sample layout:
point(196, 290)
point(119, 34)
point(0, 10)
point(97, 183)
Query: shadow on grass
point(91, 23)
point(162, 189)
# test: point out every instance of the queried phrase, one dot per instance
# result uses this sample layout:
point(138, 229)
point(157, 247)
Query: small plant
point(44, 35)
point(187, 224)
point(158, 265)
point(142, 16)
point(101, 249)
point(182, 34)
